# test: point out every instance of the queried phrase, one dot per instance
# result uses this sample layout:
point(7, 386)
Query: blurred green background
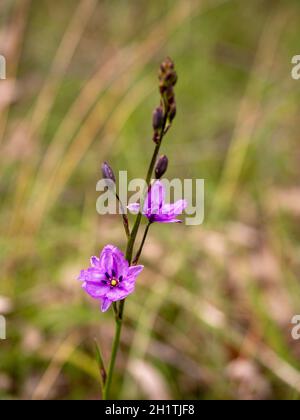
point(211, 316)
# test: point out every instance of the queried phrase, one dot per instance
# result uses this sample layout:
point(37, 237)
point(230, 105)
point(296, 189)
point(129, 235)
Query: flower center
point(114, 282)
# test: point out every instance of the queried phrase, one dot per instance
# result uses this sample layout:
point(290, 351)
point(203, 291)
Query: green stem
point(124, 217)
point(101, 365)
point(136, 258)
point(115, 347)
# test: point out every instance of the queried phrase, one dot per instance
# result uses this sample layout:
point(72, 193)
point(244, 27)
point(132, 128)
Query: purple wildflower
point(155, 208)
point(109, 278)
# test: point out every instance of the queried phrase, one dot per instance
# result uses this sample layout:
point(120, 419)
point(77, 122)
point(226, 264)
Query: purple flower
point(155, 208)
point(109, 278)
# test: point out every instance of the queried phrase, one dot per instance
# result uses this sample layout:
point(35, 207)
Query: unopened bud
point(107, 172)
point(172, 112)
point(161, 166)
point(157, 118)
point(171, 77)
point(167, 75)
point(170, 96)
point(167, 64)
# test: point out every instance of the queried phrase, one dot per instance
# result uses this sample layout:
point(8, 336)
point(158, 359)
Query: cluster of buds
point(166, 112)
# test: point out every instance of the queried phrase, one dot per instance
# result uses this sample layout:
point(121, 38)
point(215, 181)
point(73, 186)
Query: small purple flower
point(109, 278)
point(155, 208)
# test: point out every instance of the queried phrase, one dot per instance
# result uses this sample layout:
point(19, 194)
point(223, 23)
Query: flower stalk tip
point(167, 79)
point(167, 75)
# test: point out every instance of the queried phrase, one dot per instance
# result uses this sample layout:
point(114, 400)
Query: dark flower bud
point(171, 78)
point(161, 166)
point(170, 96)
point(166, 65)
point(172, 112)
point(107, 172)
point(157, 118)
point(167, 75)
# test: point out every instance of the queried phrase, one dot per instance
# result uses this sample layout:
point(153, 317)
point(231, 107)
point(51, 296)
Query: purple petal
point(95, 262)
point(106, 259)
point(120, 292)
point(168, 220)
point(105, 304)
point(91, 274)
point(174, 209)
point(81, 276)
point(134, 208)
point(128, 286)
point(113, 262)
point(120, 264)
point(155, 199)
point(134, 271)
point(96, 290)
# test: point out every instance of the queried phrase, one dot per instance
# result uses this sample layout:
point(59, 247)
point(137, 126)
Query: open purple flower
point(109, 278)
point(155, 208)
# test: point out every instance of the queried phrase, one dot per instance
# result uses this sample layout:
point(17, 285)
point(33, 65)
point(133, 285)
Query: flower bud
point(157, 118)
point(167, 75)
point(172, 112)
point(107, 172)
point(161, 166)
point(166, 65)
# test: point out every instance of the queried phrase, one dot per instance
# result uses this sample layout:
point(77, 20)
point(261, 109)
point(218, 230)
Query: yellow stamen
point(113, 282)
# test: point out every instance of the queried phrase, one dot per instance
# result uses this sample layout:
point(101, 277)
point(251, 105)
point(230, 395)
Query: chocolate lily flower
point(109, 278)
point(155, 208)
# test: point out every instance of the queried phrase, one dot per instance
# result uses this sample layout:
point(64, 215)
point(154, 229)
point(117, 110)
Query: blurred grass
point(216, 307)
